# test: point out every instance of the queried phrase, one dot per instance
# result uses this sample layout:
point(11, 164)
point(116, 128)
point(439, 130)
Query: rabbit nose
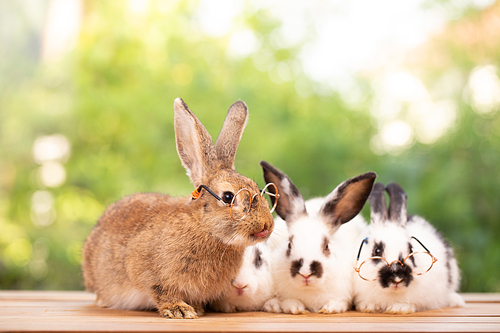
point(397, 279)
point(238, 283)
point(240, 288)
point(306, 278)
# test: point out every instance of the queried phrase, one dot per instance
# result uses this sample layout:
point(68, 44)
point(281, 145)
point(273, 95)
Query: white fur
point(429, 291)
point(332, 293)
point(255, 283)
point(133, 299)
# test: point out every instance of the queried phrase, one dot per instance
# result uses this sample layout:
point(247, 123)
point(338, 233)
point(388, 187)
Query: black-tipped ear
point(290, 202)
point(378, 206)
point(347, 200)
point(397, 203)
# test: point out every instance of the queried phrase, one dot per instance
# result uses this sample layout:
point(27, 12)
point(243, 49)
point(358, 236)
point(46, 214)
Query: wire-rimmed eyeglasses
point(241, 203)
point(419, 262)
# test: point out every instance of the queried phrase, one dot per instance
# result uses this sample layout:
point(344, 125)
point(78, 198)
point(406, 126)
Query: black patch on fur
point(326, 248)
point(316, 269)
point(258, 261)
point(397, 203)
point(296, 266)
point(377, 200)
point(378, 250)
point(449, 257)
point(289, 250)
point(284, 207)
point(410, 250)
point(388, 274)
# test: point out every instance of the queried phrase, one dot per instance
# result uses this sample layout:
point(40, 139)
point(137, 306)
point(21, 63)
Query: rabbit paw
point(179, 310)
point(272, 305)
point(368, 308)
point(400, 308)
point(293, 306)
point(334, 307)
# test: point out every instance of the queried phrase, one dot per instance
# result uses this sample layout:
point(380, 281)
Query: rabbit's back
point(120, 223)
point(447, 264)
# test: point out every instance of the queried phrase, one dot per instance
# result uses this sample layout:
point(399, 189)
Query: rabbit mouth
point(306, 281)
point(397, 285)
point(261, 234)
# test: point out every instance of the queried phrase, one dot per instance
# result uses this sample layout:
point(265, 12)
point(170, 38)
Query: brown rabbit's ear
point(290, 203)
point(378, 207)
point(347, 200)
point(194, 145)
point(230, 134)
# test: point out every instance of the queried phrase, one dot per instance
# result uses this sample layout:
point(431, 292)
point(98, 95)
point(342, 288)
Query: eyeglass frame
point(196, 194)
point(365, 241)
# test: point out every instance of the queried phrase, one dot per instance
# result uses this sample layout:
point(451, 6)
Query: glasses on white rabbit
point(240, 203)
point(421, 263)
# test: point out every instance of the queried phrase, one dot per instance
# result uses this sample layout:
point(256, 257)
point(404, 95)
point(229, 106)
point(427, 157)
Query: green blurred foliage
point(112, 98)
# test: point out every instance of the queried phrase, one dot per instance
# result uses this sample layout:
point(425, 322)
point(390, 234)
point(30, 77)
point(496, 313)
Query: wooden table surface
point(58, 311)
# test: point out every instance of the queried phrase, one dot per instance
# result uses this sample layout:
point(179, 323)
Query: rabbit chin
point(242, 240)
point(246, 301)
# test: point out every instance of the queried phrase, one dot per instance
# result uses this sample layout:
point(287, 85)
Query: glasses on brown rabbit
point(421, 263)
point(240, 203)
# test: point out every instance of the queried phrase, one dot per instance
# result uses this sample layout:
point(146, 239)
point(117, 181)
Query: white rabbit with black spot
point(253, 285)
point(312, 271)
point(403, 264)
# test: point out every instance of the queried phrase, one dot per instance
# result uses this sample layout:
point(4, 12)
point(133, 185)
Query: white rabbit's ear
point(290, 203)
point(377, 204)
point(397, 204)
point(194, 145)
point(230, 134)
point(347, 200)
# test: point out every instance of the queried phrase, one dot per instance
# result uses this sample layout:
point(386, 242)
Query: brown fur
point(175, 254)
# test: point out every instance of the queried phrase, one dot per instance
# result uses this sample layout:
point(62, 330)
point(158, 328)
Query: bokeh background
point(409, 89)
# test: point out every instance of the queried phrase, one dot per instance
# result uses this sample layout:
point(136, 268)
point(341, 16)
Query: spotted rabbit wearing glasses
point(403, 264)
point(152, 250)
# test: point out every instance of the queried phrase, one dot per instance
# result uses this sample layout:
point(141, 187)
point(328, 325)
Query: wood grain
point(73, 311)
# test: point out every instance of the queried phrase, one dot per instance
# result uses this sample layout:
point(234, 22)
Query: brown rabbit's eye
point(227, 197)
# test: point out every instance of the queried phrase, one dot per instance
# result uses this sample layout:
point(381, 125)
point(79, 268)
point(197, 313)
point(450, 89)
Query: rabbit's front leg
point(334, 306)
point(293, 306)
point(400, 308)
point(273, 305)
point(170, 305)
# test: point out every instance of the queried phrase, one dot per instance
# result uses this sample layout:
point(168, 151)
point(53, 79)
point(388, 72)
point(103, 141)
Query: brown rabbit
point(152, 250)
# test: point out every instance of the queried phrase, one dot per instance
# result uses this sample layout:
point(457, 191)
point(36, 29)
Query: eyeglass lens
point(240, 206)
point(244, 201)
point(270, 195)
